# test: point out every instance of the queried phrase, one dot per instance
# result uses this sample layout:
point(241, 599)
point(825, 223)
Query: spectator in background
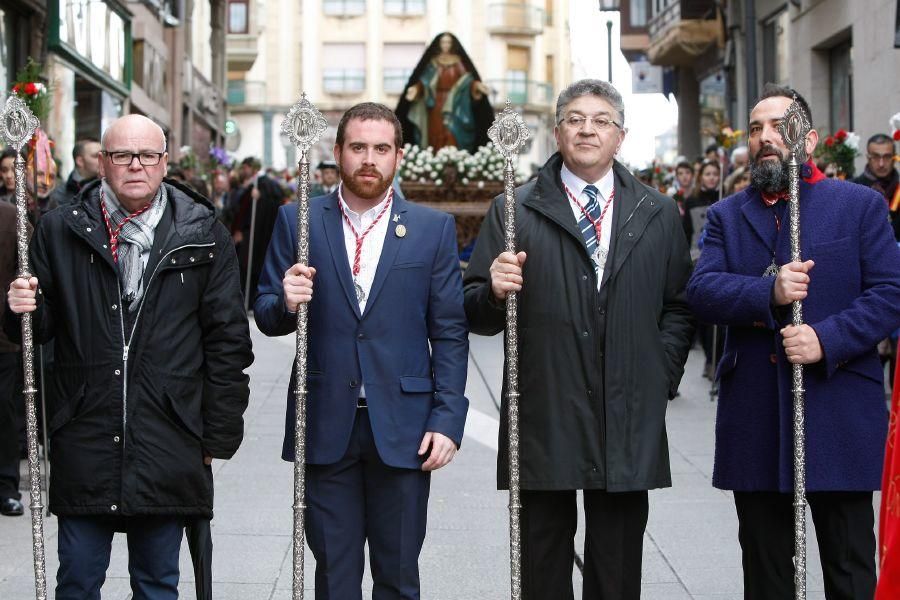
point(737, 181)
point(219, 197)
point(740, 158)
point(328, 172)
point(684, 181)
point(8, 175)
point(881, 176)
point(86, 154)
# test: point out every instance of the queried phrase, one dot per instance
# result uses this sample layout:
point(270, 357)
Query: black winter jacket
point(595, 369)
point(134, 409)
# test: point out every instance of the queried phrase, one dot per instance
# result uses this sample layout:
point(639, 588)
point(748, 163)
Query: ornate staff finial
point(509, 132)
point(794, 127)
point(17, 123)
point(304, 124)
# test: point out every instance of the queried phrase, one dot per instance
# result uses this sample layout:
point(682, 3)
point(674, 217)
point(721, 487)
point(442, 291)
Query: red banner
point(889, 523)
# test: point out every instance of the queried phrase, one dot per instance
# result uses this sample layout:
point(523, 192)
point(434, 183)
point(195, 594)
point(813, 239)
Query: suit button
point(584, 277)
point(114, 508)
point(116, 439)
point(584, 334)
point(773, 358)
point(361, 336)
point(353, 383)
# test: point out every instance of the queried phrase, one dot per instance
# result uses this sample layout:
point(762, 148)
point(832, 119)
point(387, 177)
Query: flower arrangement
point(29, 87)
point(218, 157)
point(662, 175)
point(451, 165)
point(895, 125)
point(842, 148)
point(725, 136)
point(188, 159)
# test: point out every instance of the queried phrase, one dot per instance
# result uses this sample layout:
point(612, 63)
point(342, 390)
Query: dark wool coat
point(853, 303)
point(595, 369)
point(134, 410)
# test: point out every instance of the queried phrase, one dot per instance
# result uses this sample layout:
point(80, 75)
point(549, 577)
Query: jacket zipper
point(126, 343)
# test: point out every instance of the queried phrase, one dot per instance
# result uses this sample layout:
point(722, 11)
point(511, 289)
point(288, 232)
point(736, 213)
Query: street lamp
point(609, 5)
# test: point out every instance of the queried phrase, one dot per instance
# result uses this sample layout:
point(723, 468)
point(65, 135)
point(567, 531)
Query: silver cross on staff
point(303, 125)
point(17, 126)
point(509, 133)
point(794, 128)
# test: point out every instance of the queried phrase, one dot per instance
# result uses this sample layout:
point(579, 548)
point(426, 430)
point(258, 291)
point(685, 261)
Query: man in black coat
point(881, 176)
point(604, 332)
point(137, 283)
point(86, 154)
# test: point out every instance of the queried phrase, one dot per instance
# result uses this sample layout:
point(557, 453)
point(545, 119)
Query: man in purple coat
point(850, 287)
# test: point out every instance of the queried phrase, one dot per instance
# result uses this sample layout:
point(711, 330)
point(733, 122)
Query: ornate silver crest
point(509, 132)
point(304, 124)
point(17, 122)
point(794, 127)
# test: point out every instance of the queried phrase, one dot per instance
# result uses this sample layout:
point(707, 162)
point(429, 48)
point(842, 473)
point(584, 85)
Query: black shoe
point(11, 507)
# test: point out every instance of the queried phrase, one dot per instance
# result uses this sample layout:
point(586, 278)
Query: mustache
point(766, 150)
point(363, 171)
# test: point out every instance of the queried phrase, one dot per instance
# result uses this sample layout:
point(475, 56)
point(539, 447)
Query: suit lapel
point(334, 232)
point(388, 250)
point(634, 208)
point(760, 218)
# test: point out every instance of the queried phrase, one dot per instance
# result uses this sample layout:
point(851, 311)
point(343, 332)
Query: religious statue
point(445, 102)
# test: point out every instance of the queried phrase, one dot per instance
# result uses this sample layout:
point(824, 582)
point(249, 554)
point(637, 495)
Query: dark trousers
point(844, 524)
point(613, 546)
point(9, 427)
point(153, 547)
point(359, 498)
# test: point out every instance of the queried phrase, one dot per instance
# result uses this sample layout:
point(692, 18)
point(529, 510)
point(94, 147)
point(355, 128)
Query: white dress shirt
point(604, 186)
point(372, 244)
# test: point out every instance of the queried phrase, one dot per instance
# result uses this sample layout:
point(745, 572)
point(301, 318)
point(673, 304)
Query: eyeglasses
point(146, 159)
point(578, 121)
point(880, 157)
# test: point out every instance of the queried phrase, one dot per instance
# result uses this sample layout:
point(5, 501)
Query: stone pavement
point(690, 549)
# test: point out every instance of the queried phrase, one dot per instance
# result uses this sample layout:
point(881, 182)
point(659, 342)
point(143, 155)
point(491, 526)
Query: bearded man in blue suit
point(850, 288)
point(387, 360)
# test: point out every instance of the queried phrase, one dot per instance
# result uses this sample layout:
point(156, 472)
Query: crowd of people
point(143, 283)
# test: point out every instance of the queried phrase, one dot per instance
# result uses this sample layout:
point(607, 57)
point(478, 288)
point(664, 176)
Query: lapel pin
point(400, 230)
point(396, 218)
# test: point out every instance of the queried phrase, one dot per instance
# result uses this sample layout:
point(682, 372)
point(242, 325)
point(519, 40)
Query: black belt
point(361, 403)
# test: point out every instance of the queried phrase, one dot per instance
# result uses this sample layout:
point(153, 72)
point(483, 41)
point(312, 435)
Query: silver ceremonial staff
point(508, 133)
point(303, 125)
point(17, 125)
point(794, 127)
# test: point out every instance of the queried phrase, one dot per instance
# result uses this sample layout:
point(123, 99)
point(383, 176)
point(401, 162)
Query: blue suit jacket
point(409, 348)
point(853, 303)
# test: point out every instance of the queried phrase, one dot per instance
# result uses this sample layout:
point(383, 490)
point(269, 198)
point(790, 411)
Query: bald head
point(134, 159)
point(130, 126)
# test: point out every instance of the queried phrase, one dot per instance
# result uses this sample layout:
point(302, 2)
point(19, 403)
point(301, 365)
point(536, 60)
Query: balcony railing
point(522, 92)
point(515, 19)
point(404, 8)
point(246, 93)
point(343, 81)
point(395, 80)
point(682, 31)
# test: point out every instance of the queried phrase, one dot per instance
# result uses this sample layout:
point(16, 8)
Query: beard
point(368, 190)
point(769, 176)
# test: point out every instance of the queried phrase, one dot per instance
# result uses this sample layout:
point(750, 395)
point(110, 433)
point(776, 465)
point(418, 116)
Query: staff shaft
point(34, 465)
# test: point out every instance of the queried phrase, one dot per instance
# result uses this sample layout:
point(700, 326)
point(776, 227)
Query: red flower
point(16, 89)
point(829, 141)
point(897, 136)
point(657, 170)
point(31, 89)
point(841, 135)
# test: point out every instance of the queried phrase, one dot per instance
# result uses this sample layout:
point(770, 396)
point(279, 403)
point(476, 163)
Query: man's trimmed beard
point(369, 190)
point(769, 176)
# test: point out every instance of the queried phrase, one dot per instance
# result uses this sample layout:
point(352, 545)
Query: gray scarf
point(134, 241)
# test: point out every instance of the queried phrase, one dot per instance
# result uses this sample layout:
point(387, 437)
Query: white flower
point(852, 140)
point(438, 182)
point(895, 121)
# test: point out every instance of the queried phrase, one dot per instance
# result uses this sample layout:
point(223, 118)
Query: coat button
point(584, 277)
point(173, 261)
point(192, 259)
point(361, 336)
point(630, 234)
point(602, 312)
point(584, 334)
point(590, 393)
point(88, 229)
point(114, 306)
point(353, 383)
point(118, 372)
point(104, 245)
point(114, 508)
point(773, 358)
point(116, 439)
point(210, 254)
point(74, 212)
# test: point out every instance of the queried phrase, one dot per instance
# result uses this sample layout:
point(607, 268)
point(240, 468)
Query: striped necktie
point(587, 228)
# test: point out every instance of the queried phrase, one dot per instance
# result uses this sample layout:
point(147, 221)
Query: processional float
point(509, 133)
point(17, 126)
point(303, 125)
point(794, 128)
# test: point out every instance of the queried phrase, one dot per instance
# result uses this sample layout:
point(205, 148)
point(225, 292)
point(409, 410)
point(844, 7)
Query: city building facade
point(341, 52)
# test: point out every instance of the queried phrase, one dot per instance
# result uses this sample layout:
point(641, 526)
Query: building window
point(517, 86)
point(840, 63)
point(343, 8)
point(399, 62)
point(637, 13)
point(237, 16)
point(404, 8)
point(775, 48)
point(348, 76)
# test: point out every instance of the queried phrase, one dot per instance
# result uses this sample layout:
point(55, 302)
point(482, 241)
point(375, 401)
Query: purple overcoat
point(853, 303)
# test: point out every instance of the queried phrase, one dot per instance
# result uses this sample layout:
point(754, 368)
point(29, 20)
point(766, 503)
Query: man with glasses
point(881, 176)
point(137, 283)
point(604, 332)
